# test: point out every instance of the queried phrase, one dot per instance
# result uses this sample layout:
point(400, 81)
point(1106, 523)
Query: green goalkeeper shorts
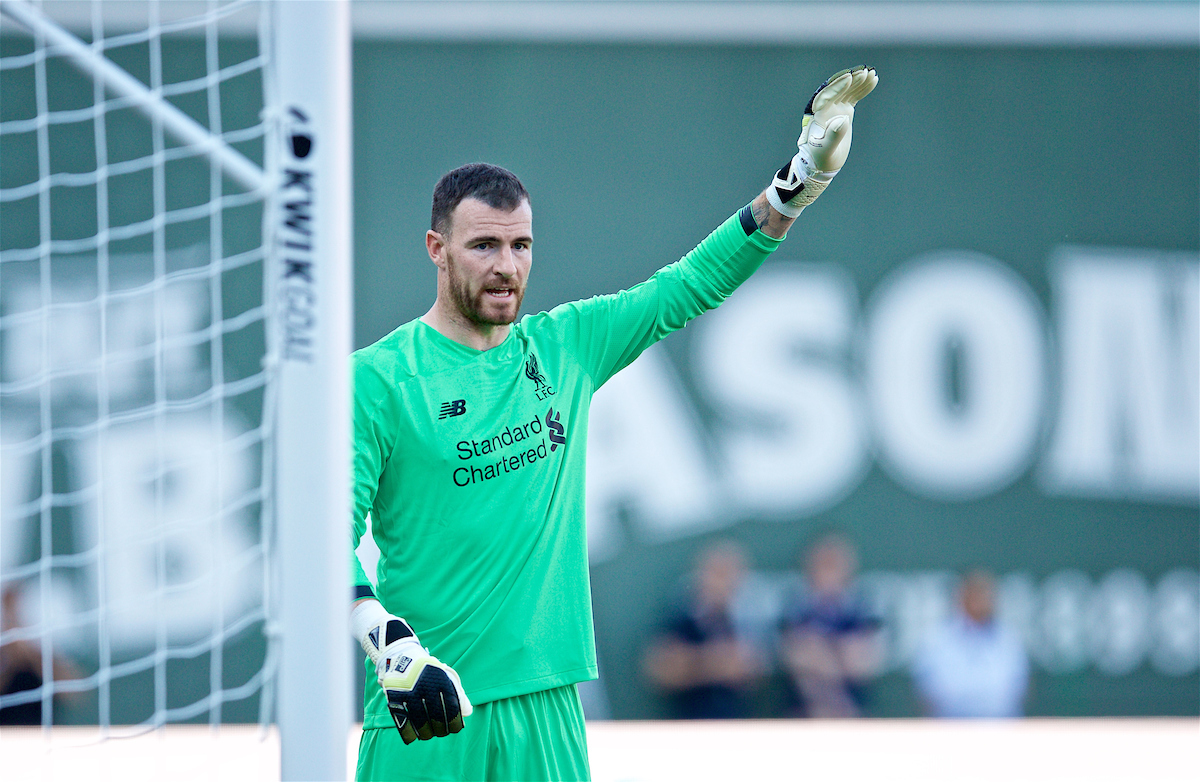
point(537, 737)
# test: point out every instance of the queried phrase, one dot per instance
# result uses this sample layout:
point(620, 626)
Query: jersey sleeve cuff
point(745, 218)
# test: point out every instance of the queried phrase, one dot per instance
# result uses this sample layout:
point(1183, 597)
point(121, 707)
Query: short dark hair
point(497, 187)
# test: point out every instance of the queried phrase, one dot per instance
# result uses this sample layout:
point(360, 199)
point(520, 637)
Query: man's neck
point(480, 336)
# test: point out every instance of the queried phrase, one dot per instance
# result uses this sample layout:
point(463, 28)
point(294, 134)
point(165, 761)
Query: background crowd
point(825, 647)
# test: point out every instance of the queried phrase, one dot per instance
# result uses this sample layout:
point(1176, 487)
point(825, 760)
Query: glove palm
point(824, 140)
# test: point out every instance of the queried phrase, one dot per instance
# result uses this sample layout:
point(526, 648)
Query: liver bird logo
point(541, 387)
point(533, 373)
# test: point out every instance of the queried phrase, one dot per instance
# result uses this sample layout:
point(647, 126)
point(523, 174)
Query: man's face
point(485, 260)
point(977, 595)
point(831, 567)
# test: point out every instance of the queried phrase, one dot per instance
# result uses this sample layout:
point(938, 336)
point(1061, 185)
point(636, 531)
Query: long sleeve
point(611, 331)
point(370, 449)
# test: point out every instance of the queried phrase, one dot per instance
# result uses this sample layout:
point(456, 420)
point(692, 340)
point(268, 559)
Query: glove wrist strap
point(800, 182)
point(368, 619)
point(777, 203)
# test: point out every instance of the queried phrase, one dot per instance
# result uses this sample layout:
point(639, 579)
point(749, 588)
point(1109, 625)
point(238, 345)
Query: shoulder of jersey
point(531, 324)
point(390, 356)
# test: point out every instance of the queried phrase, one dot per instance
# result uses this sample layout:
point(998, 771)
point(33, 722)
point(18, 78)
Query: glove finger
point(832, 92)
point(418, 715)
point(816, 135)
point(439, 715)
point(858, 79)
point(835, 131)
point(449, 707)
point(868, 83)
point(863, 86)
point(809, 108)
point(824, 143)
point(413, 710)
point(405, 727)
point(440, 698)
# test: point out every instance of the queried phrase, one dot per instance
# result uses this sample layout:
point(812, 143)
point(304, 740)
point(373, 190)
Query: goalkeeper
point(469, 447)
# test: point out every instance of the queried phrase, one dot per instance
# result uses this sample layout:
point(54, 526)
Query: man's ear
point(435, 245)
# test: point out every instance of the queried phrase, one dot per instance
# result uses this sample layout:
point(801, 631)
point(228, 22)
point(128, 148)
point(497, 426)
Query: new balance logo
point(457, 407)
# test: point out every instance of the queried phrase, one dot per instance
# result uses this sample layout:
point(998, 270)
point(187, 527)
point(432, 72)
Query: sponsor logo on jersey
point(448, 409)
point(541, 387)
point(555, 429)
point(510, 449)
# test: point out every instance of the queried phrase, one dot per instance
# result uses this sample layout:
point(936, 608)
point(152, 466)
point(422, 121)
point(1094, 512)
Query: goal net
point(160, 257)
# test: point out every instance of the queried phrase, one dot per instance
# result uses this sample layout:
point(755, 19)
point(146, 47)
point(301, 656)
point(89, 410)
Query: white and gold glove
point(824, 140)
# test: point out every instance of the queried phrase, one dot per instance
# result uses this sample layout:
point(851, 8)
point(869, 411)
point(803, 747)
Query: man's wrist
point(770, 221)
point(779, 206)
point(370, 617)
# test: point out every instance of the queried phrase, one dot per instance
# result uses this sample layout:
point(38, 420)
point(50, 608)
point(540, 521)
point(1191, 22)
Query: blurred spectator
point(700, 659)
point(21, 664)
point(831, 642)
point(972, 666)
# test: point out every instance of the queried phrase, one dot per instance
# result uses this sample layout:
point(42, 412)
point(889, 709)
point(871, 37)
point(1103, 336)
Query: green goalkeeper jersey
point(471, 465)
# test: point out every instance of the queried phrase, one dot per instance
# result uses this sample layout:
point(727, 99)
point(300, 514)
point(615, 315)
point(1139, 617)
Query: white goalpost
point(313, 454)
point(175, 297)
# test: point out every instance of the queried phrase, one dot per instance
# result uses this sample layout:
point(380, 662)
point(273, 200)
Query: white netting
point(133, 397)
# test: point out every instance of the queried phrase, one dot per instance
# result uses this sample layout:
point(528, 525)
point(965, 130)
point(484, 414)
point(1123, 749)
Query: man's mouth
point(499, 293)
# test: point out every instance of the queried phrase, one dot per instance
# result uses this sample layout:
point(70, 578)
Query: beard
point(476, 306)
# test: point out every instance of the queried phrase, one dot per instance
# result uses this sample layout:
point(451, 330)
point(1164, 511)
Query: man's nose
point(506, 263)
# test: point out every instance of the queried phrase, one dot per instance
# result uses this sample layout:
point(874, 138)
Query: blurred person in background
point(21, 664)
point(707, 668)
point(831, 644)
point(971, 665)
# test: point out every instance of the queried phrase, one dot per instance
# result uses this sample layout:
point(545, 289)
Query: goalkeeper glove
point(424, 695)
point(824, 140)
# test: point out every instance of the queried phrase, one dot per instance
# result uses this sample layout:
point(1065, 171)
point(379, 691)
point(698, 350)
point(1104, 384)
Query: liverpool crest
point(540, 387)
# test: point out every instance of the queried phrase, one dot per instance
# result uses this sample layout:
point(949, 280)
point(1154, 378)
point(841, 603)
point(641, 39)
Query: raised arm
point(611, 331)
point(823, 145)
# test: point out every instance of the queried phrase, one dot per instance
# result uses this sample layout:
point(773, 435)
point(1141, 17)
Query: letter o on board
point(955, 374)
